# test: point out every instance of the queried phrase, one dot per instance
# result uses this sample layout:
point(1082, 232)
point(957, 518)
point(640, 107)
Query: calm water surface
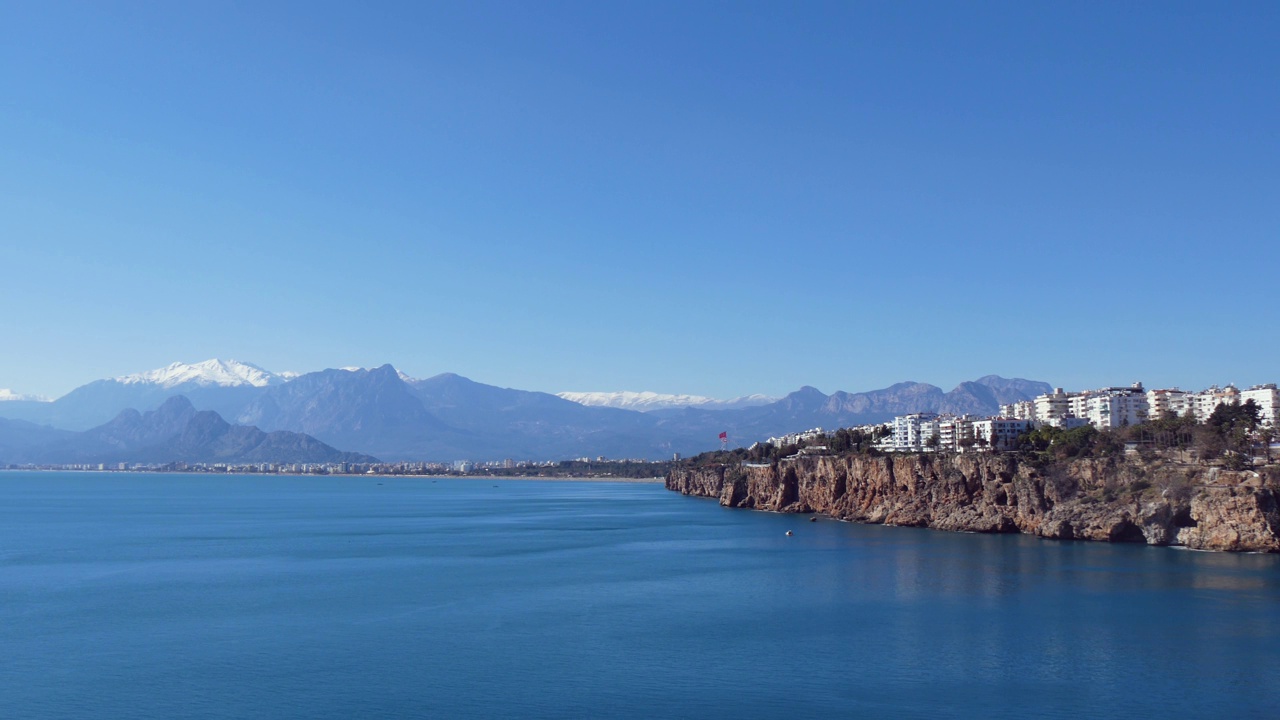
point(169, 596)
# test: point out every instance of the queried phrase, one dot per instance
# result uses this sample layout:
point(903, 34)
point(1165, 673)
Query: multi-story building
point(1116, 407)
point(955, 433)
point(912, 432)
point(1078, 403)
point(1000, 433)
point(1171, 401)
point(1023, 410)
point(1106, 408)
point(1051, 406)
point(1206, 401)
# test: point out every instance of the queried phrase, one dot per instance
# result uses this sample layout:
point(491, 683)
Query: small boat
point(789, 533)
point(813, 519)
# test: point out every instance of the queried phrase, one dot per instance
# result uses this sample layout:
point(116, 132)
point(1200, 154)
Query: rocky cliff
point(1110, 500)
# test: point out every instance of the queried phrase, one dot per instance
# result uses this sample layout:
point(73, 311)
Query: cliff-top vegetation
point(1233, 437)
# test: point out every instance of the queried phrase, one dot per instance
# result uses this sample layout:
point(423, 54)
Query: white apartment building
point(1171, 401)
point(912, 432)
point(1117, 407)
point(953, 432)
point(1206, 401)
point(1267, 398)
point(1022, 410)
point(1051, 406)
point(1106, 408)
point(796, 438)
point(1000, 433)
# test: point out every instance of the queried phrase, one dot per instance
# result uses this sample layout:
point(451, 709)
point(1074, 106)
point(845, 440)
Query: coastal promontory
point(1111, 499)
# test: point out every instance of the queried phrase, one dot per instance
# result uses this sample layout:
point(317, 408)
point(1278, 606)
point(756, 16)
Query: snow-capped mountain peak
point(223, 373)
point(7, 395)
point(647, 401)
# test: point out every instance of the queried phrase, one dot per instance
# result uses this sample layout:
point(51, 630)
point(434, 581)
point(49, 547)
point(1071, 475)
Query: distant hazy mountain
point(808, 407)
point(208, 438)
point(371, 411)
point(224, 386)
point(521, 424)
point(174, 432)
point(650, 401)
point(385, 413)
point(18, 438)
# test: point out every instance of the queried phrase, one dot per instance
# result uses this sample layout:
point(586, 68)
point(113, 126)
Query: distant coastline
point(565, 477)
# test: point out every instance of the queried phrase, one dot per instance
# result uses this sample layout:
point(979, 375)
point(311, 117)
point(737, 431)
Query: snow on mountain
point(7, 395)
point(222, 373)
point(647, 401)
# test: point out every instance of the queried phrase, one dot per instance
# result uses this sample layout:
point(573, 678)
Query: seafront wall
point(1105, 500)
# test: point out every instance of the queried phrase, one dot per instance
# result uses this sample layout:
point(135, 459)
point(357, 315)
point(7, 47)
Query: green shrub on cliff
point(1050, 444)
point(849, 440)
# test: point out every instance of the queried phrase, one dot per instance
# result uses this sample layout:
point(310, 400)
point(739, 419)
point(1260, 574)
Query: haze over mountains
point(650, 401)
point(384, 413)
point(7, 395)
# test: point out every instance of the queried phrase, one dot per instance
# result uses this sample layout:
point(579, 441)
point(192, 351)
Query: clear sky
point(712, 198)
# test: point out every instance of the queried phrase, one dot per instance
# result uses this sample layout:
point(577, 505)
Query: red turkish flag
point(724, 436)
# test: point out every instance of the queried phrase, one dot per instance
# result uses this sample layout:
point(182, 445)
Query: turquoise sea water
point(169, 596)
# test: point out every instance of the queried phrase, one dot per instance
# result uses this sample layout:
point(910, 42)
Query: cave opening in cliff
point(1128, 532)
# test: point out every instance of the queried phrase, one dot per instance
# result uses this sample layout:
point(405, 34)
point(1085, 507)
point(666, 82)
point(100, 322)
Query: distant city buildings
point(795, 438)
point(1120, 406)
point(1104, 408)
point(377, 468)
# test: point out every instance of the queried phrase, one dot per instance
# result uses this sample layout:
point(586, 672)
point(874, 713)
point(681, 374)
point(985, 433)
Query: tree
point(1226, 418)
point(1229, 431)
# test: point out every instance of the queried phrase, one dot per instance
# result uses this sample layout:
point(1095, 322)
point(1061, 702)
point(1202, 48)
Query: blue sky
point(713, 198)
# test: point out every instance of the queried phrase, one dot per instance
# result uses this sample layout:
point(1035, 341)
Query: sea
point(220, 596)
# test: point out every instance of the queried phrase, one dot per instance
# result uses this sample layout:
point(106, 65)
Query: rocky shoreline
point(1158, 503)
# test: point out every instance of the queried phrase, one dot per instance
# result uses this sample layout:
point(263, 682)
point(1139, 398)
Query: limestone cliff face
point(1085, 500)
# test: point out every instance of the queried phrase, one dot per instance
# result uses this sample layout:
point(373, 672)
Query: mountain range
point(173, 432)
point(384, 413)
